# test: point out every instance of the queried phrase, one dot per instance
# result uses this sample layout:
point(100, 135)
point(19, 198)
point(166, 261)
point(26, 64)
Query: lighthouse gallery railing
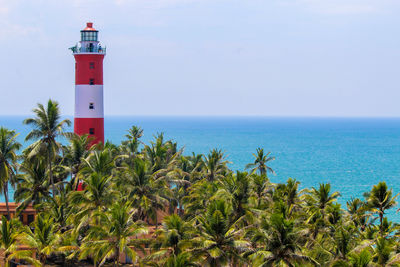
point(77, 49)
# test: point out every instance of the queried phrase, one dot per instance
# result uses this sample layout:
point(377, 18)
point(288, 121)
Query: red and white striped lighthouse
point(89, 110)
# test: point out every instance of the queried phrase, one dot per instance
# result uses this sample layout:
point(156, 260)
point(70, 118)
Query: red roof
point(89, 27)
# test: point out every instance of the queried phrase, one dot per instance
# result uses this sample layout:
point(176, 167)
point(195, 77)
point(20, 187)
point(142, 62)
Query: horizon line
point(226, 116)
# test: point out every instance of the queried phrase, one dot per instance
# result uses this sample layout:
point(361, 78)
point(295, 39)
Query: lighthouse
point(89, 108)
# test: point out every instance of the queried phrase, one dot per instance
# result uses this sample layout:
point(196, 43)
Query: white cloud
point(4, 7)
point(3, 10)
point(10, 28)
point(156, 4)
point(345, 6)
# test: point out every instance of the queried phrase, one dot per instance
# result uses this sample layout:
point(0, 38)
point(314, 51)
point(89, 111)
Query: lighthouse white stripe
point(86, 94)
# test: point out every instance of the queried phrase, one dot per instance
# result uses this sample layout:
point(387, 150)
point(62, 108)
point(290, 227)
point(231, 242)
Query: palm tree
point(160, 153)
point(279, 242)
point(200, 194)
point(382, 251)
point(215, 165)
point(8, 237)
point(97, 195)
point(193, 165)
point(8, 158)
point(100, 162)
point(219, 241)
point(261, 190)
point(361, 259)
point(316, 203)
point(196, 163)
point(131, 145)
point(322, 197)
point(291, 191)
point(260, 162)
point(177, 181)
point(33, 184)
point(78, 149)
point(146, 192)
point(134, 133)
point(236, 188)
point(47, 127)
point(115, 234)
point(344, 240)
point(44, 239)
point(357, 210)
point(10, 234)
point(59, 209)
point(380, 199)
point(173, 236)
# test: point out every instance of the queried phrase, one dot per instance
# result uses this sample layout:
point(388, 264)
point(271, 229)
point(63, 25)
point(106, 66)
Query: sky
point(208, 57)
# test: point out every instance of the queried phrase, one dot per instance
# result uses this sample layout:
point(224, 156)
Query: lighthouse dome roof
point(89, 27)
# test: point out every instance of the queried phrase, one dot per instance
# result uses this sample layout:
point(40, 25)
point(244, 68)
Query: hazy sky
point(208, 57)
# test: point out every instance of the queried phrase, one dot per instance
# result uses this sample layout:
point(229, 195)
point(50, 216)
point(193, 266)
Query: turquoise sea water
point(350, 153)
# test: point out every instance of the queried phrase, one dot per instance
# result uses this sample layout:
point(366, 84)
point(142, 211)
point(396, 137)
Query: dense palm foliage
point(153, 205)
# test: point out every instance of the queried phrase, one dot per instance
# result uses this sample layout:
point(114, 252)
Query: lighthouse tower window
point(91, 65)
point(91, 105)
point(91, 131)
point(91, 82)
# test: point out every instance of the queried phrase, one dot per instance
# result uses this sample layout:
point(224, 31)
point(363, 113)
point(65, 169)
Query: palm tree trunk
point(263, 172)
point(71, 173)
point(5, 188)
point(156, 220)
point(117, 255)
point(42, 258)
point(51, 174)
point(6, 258)
point(76, 181)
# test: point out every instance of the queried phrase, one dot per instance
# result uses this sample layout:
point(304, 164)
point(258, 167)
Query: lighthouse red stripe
point(89, 66)
point(83, 125)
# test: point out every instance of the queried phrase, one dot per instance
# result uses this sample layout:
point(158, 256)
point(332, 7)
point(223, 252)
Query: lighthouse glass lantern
point(89, 111)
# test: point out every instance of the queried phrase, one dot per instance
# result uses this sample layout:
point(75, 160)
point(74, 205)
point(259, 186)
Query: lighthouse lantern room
point(89, 112)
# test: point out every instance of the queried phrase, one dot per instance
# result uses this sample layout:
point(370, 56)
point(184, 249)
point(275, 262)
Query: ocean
point(352, 154)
